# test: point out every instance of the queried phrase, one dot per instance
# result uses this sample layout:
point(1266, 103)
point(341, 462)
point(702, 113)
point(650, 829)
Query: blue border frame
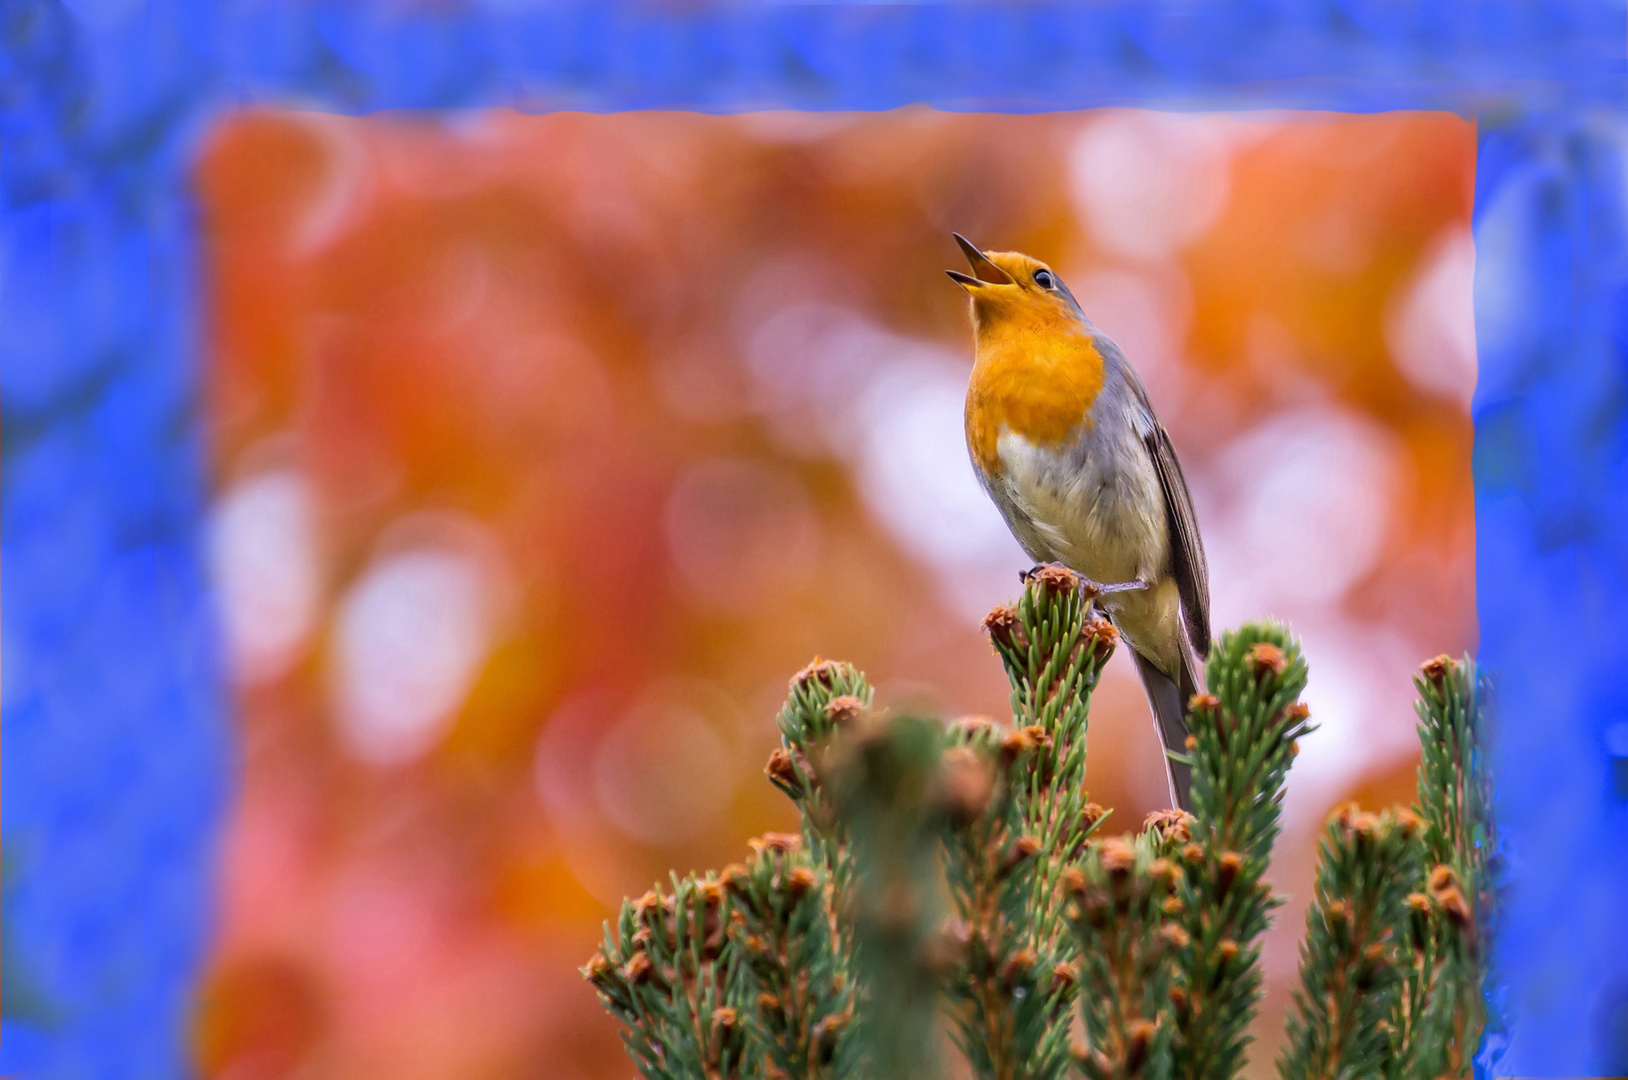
point(122, 757)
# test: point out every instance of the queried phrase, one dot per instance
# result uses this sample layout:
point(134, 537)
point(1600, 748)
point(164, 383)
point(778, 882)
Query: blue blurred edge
point(122, 759)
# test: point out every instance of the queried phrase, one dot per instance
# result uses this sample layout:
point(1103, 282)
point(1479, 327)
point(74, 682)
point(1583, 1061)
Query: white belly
point(1099, 510)
point(1096, 508)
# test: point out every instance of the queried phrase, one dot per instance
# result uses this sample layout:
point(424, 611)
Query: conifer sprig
point(800, 995)
point(1349, 965)
point(1013, 989)
point(1123, 904)
point(667, 973)
point(1441, 1009)
point(1244, 734)
point(826, 698)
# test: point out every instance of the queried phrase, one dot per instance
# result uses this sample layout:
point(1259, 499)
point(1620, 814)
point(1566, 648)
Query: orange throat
point(1036, 377)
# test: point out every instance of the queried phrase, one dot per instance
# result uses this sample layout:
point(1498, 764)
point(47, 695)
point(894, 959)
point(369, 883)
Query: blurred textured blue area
point(117, 765)
point(121, 758)
point(1551, 479)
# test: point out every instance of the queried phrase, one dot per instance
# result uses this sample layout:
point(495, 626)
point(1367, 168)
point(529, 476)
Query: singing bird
point(1065, 442)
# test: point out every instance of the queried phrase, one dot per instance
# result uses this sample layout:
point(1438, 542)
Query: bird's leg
point(1119, 586)
point(1088, 589)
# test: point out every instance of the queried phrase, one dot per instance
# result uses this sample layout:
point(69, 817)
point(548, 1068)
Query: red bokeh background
point(547, 448)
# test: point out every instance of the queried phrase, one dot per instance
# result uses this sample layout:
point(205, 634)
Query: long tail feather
point(1169, 699)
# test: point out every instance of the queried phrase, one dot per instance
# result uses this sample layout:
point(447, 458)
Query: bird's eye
point(1043, 279)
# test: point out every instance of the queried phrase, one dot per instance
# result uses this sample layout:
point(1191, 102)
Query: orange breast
point(1036, 380)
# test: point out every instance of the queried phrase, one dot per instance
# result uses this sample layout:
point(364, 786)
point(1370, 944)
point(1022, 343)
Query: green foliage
point(1439, 1012)
point(780, 926)
point(955, 872)
point(1013, 988)
point(1243, 739)
point(668, 975)
point(826, 697)
point(1124, 903)
point(1349, 968)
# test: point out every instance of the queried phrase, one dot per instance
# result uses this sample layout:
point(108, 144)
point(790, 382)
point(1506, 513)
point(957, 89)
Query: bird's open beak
point(983, 271)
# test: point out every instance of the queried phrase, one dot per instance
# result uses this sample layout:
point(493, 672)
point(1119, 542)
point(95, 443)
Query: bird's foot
point(1026, 576)
point(1089, 589)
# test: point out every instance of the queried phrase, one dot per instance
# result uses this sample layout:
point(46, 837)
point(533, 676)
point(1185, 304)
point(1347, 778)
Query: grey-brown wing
point(1186, 547)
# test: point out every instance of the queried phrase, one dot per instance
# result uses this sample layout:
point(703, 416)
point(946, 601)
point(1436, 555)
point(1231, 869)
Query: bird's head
point(1010, 287)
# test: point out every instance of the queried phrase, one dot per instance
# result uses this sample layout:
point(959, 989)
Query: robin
point(1064, 440)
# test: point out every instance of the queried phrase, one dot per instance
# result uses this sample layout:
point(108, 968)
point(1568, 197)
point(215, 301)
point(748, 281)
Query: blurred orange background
point(547, 448)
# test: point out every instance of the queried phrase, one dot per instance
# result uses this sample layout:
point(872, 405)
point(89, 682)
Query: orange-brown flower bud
point(1022, 740)
point(778, 842)
point(1118, 856)
point(799, 882)
point(725, 1020)
point(597, 970)
point(1103, 635)
point(638, 970)
point(1436, 669)
point(1004, 627)
point(1265, 657)
point(1454, 906)
point(1058, 580)
point(819, 672)
point(783, 771)
point(845, 711)
point(1174, 936)
point(1170, 825)
point(1018, 852)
